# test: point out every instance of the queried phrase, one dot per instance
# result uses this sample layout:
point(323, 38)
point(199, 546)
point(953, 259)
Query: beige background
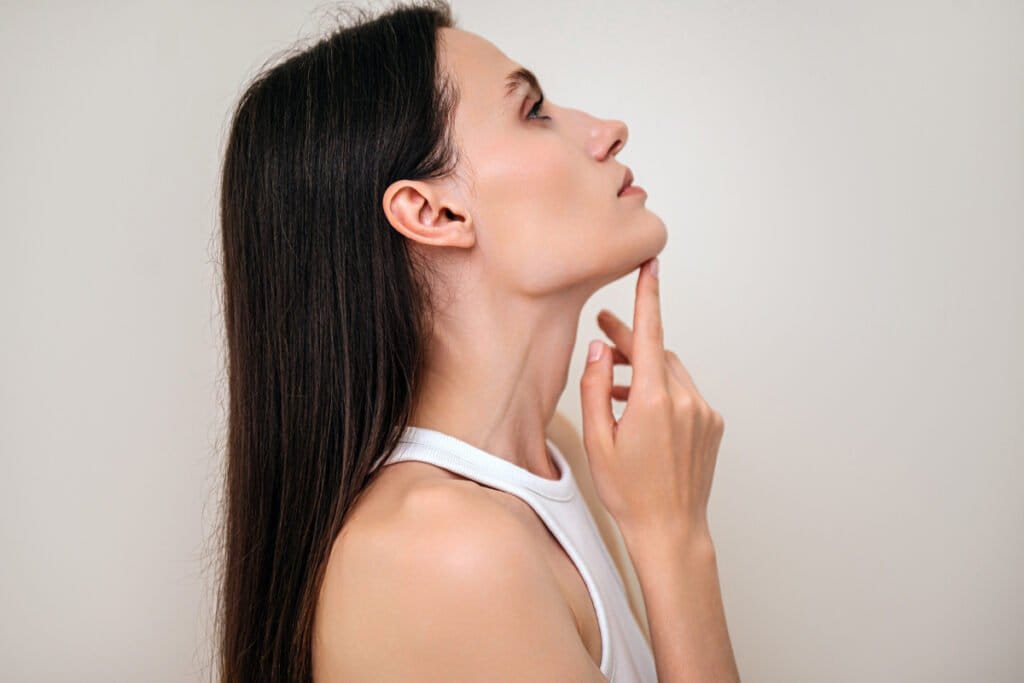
point(844, 188)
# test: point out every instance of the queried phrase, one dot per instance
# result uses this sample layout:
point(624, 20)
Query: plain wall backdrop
point(843, 185)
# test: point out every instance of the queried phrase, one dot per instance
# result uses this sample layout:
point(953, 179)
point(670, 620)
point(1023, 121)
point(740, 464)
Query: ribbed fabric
point(625, 655)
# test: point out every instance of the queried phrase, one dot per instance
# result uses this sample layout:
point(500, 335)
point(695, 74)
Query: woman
point(410, 231)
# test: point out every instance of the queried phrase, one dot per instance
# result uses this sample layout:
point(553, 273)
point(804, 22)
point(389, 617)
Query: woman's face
point(541, 193)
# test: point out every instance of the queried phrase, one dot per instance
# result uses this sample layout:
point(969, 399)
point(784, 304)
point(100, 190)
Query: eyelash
point(535, 109)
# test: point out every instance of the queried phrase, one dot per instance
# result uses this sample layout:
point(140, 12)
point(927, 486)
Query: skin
point(525, 232)
point(529, 229)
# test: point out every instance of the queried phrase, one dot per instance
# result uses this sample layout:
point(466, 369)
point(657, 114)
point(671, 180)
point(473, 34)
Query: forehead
point(479, 68)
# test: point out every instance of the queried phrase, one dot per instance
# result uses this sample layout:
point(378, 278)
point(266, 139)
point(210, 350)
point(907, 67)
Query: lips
point(627, 180)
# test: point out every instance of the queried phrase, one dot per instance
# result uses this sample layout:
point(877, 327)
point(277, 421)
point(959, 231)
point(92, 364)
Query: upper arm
point(452, 592)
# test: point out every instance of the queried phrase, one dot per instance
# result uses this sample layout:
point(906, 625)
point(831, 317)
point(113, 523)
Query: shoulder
point(448, 565)
point(446, 523)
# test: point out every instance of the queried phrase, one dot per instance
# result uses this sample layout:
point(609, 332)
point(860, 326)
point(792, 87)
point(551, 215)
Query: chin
point(663, 231)
point(651, 242)
point(644, 243)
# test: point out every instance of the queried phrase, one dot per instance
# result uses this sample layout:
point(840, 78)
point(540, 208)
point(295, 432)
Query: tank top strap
point(465, 459)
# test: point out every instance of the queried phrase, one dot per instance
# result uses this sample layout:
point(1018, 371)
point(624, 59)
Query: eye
point(535, 109)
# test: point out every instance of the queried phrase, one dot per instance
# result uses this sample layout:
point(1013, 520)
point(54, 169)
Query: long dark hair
point(326, 312)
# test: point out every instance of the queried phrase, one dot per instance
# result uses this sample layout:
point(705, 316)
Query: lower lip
point(633, 189)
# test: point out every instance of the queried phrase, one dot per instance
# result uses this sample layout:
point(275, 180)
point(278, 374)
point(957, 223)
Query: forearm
point(678, 573)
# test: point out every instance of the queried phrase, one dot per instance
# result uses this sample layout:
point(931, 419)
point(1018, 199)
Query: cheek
point(534, 203)
point(544, 230)
point(544, 217)
point(570, 218)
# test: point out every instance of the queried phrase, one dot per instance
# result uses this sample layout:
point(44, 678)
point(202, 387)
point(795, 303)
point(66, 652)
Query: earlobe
point(421, 212)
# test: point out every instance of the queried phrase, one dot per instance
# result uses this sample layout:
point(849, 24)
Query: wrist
point(694, 539)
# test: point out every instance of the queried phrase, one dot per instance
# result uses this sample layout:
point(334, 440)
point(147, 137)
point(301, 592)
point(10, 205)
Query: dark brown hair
point(326, 312)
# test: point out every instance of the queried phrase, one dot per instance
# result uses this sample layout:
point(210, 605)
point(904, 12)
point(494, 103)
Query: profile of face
point(534, 208)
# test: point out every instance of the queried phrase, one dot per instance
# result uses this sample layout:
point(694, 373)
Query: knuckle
point(685, 403)
point(658, 399)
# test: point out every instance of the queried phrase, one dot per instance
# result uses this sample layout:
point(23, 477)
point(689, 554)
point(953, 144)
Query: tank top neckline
point(562, 488)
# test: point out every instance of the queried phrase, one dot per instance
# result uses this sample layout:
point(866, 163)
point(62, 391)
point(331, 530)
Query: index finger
point(649, 371)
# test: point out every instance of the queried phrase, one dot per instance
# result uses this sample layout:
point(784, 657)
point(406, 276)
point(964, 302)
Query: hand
point(654, 467)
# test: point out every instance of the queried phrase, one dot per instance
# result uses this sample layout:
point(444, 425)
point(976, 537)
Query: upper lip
point(627, 180)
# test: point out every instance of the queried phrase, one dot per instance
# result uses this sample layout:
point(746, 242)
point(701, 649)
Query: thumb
point(596, 401)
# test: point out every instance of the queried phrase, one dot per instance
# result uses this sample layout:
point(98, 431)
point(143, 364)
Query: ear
point(428, 214)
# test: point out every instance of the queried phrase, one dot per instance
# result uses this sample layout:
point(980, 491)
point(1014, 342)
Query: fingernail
point(654, 266)
point(595, 350)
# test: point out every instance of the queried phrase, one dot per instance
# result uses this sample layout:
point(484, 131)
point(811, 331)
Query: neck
point(496, 368)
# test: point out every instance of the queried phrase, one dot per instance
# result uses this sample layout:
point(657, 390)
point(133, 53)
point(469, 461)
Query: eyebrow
point(520, 76)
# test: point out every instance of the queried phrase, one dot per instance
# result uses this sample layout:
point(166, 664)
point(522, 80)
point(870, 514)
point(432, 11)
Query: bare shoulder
point(447, 587)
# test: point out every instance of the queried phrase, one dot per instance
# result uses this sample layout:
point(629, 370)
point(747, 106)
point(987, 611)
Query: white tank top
point(625, 654)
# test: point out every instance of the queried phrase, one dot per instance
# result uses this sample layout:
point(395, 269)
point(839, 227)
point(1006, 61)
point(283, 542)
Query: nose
point(611, 138)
